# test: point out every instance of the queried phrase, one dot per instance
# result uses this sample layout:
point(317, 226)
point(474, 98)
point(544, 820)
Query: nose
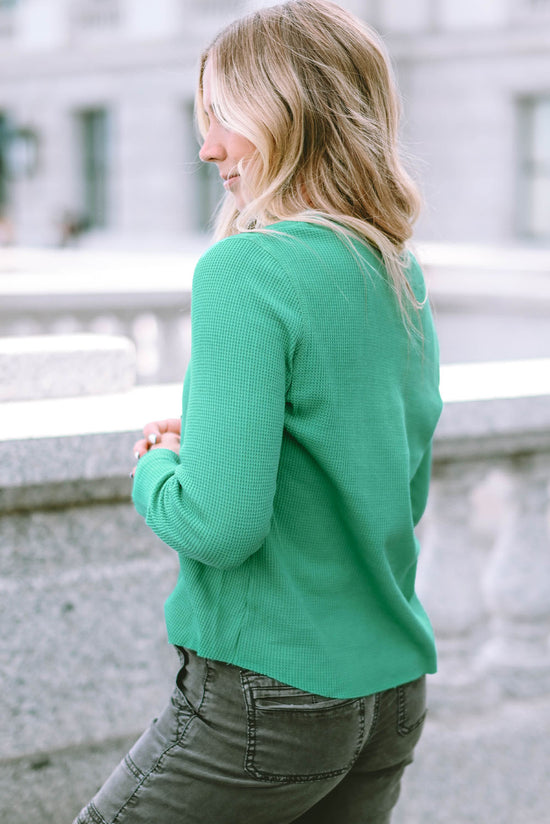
point(212, 150)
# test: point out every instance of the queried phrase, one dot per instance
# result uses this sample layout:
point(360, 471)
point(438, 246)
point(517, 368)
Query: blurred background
point(97, 142)
point(104, 208)
point(98, 152)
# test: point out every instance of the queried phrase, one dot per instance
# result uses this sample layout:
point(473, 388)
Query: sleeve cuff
point(152, 470)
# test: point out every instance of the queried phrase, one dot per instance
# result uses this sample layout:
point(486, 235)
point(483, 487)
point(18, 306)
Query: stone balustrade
point(145, 297)
point(54, 366)
point(485, 572)
point(502, 295)
point(83, 653)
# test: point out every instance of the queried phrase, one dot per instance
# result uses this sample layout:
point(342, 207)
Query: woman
point(292, 489)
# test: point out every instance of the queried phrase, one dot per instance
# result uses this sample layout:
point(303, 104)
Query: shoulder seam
point(280, 265)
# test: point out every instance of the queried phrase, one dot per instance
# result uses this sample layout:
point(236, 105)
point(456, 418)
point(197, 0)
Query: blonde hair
point(312, 88)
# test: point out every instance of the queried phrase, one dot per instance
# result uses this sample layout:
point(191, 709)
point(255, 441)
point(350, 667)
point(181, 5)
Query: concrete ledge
point(494, 409)
point(472, 278)
point(60, 451)
point(55, 366)
point(80, 443)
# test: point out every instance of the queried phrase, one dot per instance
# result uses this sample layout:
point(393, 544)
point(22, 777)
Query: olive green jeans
point(236, 747)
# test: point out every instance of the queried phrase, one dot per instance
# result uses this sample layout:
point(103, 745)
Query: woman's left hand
point(158, 435)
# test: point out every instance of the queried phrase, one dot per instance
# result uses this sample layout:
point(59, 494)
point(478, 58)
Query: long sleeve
point(214, 502)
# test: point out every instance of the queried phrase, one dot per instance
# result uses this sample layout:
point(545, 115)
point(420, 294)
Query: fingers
point(140, 448)
point(173, 425)
point(158, 434)
point(162, 427)
point(167, 440)
point(152, 437)
point(152, 429)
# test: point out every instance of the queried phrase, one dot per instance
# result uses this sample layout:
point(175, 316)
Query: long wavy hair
point(311, 86)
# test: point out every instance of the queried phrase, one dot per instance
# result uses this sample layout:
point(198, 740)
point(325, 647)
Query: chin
point(239, 203)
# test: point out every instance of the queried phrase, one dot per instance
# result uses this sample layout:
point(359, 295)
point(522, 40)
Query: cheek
point(242, 147)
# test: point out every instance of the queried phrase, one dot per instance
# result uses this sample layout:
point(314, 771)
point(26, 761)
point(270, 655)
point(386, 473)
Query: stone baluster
point(143, 329)
point(21, 325)
point(173, 346)
point(106, 323)
point(517, 584)
point(449, 581)
point(62, 324)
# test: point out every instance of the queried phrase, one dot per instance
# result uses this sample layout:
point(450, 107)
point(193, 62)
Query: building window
point(534, 200)
point(4, 148)
point(23, 151)
point(94, 149)
point(215, 7)
point(206, 188)
point(7, 22)
point(532, 8)
point(95, 15)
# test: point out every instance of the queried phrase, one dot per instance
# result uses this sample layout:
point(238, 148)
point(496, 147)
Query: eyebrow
point(211, 109)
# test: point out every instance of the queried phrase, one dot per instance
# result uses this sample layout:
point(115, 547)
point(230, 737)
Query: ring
point(153, 438)
point(136, 455)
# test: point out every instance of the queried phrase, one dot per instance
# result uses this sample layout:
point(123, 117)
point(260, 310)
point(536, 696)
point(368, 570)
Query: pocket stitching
point(250, 754)
point(403, 728)
point(182, 720)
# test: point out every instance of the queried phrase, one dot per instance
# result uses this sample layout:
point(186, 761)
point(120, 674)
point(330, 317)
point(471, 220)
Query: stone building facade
point(475, 78)
point(96, 129)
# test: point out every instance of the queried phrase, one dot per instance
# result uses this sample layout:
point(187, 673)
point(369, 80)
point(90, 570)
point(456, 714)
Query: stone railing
point(84, 657)
point(145, 297)
point(504, 297)
point(83, 653)
point(485, 572)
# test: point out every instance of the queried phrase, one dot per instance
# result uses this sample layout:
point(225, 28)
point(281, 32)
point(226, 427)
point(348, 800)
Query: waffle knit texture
point(308, 416)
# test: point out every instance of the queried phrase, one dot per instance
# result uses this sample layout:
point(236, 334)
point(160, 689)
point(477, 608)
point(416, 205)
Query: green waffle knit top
point(308, 416)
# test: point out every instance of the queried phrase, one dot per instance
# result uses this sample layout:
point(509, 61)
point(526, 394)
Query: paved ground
point(490, 768)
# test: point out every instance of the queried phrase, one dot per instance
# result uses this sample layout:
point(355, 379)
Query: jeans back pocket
point(411, 706)
point(297, 736)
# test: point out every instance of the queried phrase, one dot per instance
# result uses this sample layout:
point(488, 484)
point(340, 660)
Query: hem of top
point(298, 683)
